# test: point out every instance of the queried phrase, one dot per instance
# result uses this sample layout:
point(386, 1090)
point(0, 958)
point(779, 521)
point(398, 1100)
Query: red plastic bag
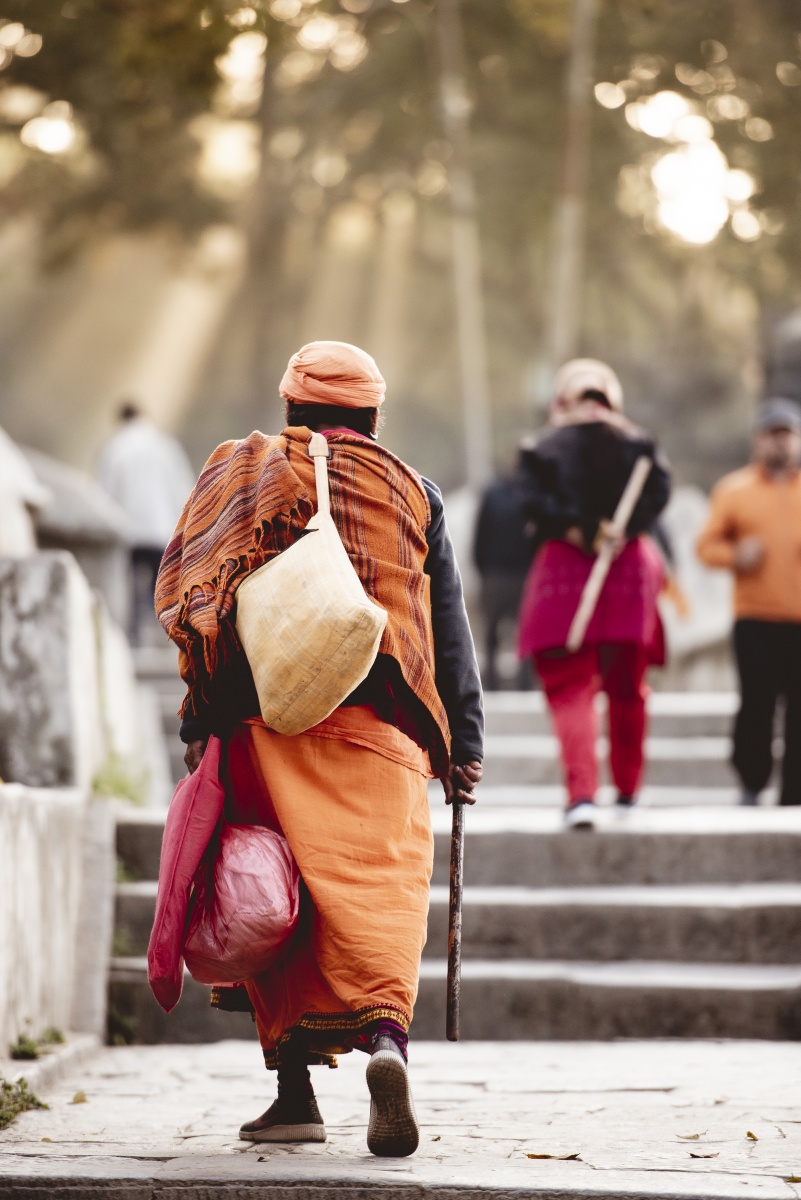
point(194, 815)
point(245, 905)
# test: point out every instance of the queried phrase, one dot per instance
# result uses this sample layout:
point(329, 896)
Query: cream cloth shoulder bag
point(309, 630)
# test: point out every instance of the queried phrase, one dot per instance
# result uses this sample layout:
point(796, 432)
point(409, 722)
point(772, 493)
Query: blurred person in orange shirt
point(754, 530)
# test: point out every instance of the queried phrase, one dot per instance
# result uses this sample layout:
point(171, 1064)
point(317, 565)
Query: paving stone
point(160, 1123)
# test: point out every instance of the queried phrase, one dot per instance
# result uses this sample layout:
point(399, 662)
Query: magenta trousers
point(571, 683)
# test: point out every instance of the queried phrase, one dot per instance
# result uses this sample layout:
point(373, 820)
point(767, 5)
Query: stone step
point(657, 846)
point(596, 1001)
point(520, 999)
point(552, 795)
point(747, 923)
point(135, 1016)
point(531, 849)
point(698, 714)
point(751, 923)
point(671, 761)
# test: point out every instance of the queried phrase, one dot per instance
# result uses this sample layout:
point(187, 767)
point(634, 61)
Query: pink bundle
point(244, 907)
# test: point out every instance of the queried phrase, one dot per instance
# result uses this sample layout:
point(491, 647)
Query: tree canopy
point(284, 117)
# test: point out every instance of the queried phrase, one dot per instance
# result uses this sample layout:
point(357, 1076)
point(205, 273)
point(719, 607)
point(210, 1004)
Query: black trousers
point(500, 600)
point(768, 657)
point(145, 563)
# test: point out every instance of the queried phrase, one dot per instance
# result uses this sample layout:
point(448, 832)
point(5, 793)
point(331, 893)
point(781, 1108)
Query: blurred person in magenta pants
point(571, 480)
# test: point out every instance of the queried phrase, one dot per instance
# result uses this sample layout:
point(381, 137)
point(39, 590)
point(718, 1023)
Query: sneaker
point(288, 1119)
point(749, 798)
point(623, 801)
point(581, 815)
point(392, 1131)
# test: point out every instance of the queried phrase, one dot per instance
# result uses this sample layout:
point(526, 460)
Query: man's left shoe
point(392, 1131)
point(288, 1119)
point(623, 801)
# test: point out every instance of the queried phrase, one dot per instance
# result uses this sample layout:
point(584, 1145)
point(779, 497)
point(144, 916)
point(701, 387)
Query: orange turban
point(333, 373)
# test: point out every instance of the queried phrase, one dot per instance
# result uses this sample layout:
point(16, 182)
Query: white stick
point(600, 568)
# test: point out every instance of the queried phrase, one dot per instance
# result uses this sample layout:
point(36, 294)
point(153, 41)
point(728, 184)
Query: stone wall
point(56, 909)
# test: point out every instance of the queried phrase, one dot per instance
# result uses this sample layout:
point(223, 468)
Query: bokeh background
point(189, 191)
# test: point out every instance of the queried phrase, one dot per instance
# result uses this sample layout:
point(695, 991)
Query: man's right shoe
point(749, 798)
point(288, 1119)
point(392, 1131)
point(581, 815)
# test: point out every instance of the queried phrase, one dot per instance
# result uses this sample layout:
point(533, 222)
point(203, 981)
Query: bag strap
point(320, 451)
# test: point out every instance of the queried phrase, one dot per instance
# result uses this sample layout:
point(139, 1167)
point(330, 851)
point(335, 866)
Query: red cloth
point(195, 809)
point(626, 611)
point(571, 682)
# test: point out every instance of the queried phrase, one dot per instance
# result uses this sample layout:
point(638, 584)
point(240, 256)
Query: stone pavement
point(673, 1119)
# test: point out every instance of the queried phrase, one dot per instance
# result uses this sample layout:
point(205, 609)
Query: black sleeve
point(231, 697)
point(195, 729)
point(551, 506)
point(655, 496)
point(457, 676)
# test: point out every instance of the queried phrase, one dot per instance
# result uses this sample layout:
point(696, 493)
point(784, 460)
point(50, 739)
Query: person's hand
point(748, 554)
point(609, 536)
point(194, 753)
point(575, 537)
point(460, 782)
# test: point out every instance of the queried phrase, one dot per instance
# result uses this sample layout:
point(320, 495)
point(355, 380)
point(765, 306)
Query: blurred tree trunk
point(563, 302)
point(456, 109)
point(265, 220)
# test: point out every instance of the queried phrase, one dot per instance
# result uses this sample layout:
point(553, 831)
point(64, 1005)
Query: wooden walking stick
point(455, 922)
point(600, 568)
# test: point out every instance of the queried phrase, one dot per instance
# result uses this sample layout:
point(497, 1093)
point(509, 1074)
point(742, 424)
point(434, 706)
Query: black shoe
point(392, 1131)
point(623, 801)
point(288, 1119)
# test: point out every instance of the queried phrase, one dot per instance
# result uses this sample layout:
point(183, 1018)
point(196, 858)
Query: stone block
point(50, 724)
point(41, 867)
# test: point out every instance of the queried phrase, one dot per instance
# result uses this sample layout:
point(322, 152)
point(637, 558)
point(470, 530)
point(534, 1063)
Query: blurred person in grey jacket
point(147, 472)
point(502, 552)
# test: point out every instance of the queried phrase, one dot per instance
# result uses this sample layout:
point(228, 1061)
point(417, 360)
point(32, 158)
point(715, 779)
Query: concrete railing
point(56, 910)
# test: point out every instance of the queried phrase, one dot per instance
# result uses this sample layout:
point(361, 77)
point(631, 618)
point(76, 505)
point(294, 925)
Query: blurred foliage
point(139, 74)
point(120, 779)
point(16, 1098)
point(25, 1048)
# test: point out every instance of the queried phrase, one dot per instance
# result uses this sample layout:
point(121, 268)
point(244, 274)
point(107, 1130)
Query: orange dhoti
point(350, 797)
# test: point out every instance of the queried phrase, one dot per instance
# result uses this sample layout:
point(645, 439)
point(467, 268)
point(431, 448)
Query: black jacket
point(576, 475)
point(233, 694)
point(500, 543)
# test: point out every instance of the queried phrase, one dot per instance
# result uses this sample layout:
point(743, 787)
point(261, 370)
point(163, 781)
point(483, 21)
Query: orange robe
point(350, 796)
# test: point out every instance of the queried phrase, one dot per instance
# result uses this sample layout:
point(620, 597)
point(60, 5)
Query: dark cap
point(778, 413)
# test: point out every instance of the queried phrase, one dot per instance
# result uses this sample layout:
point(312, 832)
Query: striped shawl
point(252, 500)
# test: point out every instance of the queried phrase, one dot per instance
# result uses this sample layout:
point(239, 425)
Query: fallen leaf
point(792, 1178)
point(561, 1157)
point(693, 1155)
point(691, 1137)
point(263, 1158)
point(438, 1138)
point(47, 1139)
point(80, 1098)
point(752, 1136)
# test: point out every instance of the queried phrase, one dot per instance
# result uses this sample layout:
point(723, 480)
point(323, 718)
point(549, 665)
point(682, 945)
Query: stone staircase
point(681, 918)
